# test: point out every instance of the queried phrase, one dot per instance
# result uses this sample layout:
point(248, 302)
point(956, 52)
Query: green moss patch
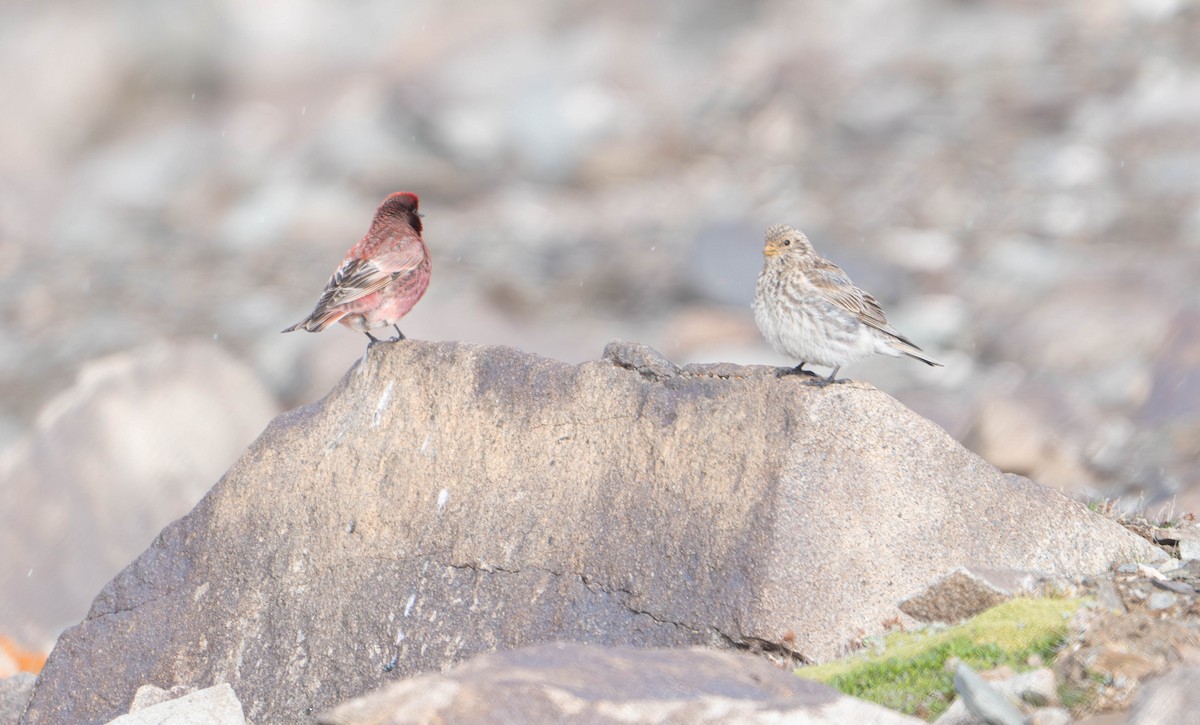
point(908, 672)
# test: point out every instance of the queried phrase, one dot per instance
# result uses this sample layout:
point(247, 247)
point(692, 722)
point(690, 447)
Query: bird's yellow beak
point(770, 250)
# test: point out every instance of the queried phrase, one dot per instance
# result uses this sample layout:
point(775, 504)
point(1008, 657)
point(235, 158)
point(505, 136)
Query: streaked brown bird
point(809, 310)
point(381, 278)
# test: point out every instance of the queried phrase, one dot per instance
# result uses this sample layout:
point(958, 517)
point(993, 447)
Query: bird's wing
point(354, 279)
point(360, 277)
point(838, 289)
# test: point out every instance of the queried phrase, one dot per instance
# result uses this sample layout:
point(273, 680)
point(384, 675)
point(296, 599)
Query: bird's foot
point(399, 335)
point(825, 382)
point(373, 339)
point(798, 370)
point(833, 379)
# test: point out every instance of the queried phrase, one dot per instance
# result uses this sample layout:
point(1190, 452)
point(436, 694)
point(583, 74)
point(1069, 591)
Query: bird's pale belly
point(814, 331)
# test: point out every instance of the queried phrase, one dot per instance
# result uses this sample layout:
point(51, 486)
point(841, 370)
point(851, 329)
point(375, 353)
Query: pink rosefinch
point(809, 310)
point(382, 276)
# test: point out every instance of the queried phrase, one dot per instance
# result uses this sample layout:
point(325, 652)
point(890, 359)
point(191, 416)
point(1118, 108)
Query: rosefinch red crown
point(809, 310)
point(382, 276)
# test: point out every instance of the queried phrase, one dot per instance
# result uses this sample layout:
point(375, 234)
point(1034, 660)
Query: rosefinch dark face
point(401, 205)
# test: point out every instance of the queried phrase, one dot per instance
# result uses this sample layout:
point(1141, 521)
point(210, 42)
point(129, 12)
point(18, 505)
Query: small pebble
point(1175, 586)
point(1160, 601)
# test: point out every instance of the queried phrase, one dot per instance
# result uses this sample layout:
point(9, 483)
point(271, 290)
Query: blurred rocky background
point(1018, 183)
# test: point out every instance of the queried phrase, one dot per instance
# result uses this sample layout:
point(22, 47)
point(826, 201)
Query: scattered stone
point(1051, 716)
point(1159, 601)
point(1035, 689)
point(963, 593)
point(151, 695)
point(1107, 597)
point(1170, 698)
point(1150, 572)
point(217, 705)
point(1189, 550)
point(1175, 586)
point(584, 683)
point(1189, 570)
point(1128, 636)
point(1108, 654)
point(984, 702)
point(1185, 538)
point(15, 692)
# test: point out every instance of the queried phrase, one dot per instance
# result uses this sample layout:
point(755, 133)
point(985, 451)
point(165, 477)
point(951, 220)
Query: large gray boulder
point(560, 682)
point(449, 499)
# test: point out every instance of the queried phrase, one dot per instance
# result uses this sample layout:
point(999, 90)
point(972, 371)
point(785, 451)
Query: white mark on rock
point(399, 637)
point(200, 592)
point(425, 443)
point(383, 400)
point(412, 599)
point(443, 497)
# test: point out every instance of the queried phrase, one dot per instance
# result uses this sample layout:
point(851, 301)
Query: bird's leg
point(798, 370)
point(373, 338)
point(822, 382)
point(399, 335)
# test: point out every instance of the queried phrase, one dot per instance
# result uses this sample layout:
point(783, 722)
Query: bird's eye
point(787, 242)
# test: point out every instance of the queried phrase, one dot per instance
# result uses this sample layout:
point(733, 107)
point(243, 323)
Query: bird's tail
point(318, 320)
point(913, 351)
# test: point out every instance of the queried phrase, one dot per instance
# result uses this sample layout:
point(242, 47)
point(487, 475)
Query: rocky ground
point(460, 508)
point(1123, 644)
point(449, 500)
